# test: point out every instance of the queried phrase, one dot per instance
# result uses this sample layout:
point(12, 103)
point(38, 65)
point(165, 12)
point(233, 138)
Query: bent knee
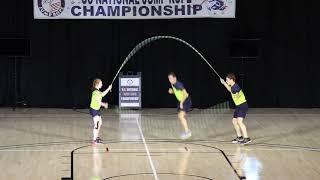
point(96, 118)
point(234, 120)
point(181, 115)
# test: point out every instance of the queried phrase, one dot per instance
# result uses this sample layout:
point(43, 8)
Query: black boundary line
point(226, 157)
point(189, 175)
point(222, 152)
point(154, 155)
point(139, 153)
point(18, 146)
point(71, 170)
point(192, 143)
point(158, 141)
point(284, 146)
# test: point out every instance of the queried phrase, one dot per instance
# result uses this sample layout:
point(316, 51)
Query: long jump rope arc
point(155, 38)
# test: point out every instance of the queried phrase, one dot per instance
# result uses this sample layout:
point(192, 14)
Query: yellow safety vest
point(96, 99)
point(239, 98)
point(178, 93)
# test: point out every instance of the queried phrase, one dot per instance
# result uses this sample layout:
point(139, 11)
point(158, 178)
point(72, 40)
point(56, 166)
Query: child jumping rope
point(184, 103)
point(95, 105)
point(240, 111)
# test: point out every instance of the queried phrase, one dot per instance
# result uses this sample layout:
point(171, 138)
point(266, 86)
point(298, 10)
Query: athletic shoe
point(98, 140)
point(237, 140)
point(245, 141)
point(186, 135)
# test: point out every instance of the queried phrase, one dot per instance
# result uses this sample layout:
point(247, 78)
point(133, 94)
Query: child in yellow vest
point(184, 103)
point(240, 110)
point(95, 105)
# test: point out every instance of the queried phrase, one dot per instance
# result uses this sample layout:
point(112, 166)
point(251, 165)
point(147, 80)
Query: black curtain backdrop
point(67, 54)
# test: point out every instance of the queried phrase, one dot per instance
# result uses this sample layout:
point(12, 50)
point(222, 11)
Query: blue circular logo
point(51, 8)
point(130, 81)
point(214, 5)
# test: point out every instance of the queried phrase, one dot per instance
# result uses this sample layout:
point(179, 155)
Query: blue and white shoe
point(99, 140)
point(245, 141)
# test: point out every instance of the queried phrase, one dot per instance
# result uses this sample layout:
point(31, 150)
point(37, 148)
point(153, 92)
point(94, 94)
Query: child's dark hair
point(94, 83)
point(232, 76)
point(172, 74)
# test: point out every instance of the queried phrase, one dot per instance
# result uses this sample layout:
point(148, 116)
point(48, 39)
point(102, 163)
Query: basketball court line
point(138, 174)
point(162, 150)
point(143, 150)
point(147, 151)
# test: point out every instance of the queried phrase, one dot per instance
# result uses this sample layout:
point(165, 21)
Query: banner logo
point(215, 5)
point(133, 9)
point(51, 8)
point(130, 82)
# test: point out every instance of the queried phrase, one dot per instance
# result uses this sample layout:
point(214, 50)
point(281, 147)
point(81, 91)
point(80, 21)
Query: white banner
point(130, 82)
point(133, 9)
point(130, 91)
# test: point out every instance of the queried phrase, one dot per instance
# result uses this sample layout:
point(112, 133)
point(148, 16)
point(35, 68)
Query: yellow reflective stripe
point(239, 98)
point(95, 100)
point(178, 94)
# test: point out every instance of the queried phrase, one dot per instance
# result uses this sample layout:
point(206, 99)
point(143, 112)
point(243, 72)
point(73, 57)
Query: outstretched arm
point(106, 91)
point(225, 84)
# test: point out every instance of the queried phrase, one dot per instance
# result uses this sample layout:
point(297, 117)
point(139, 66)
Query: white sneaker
point(186, 135)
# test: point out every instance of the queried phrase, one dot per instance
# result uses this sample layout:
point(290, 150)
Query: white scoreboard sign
point(130, 91)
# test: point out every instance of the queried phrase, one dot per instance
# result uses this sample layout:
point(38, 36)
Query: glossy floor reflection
point(145, 145)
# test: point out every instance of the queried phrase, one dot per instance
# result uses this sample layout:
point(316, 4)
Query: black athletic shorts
point(94, 112)
point(187, 104)
point(241, 110)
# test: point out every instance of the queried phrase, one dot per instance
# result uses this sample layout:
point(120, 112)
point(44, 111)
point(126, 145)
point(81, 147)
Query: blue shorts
point(94, 112)
point(187, 104)
point(241, 111)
